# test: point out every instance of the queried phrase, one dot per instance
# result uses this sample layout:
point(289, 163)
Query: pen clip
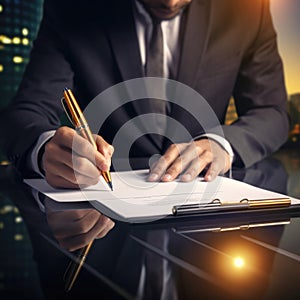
point(65, 107)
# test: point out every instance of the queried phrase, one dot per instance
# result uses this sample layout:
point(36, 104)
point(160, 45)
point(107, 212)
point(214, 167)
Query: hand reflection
point(74, 229)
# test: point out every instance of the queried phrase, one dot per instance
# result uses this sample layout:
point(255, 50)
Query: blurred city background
point(19, 21)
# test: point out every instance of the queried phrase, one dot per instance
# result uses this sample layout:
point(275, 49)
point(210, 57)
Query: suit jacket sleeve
point(260, 98)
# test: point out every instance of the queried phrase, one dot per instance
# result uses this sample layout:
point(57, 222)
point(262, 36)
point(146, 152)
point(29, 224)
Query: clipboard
point(137, 201)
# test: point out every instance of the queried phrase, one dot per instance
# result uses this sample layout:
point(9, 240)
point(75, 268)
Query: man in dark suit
point(219, 48)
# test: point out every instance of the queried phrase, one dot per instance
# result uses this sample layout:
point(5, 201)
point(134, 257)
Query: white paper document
point(136, 200)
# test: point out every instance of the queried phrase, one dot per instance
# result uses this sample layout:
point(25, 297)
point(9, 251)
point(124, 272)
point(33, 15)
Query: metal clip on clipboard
point(217, 206)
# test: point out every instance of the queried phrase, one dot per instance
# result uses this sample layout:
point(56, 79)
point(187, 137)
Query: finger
point(75, 242)
point(65, 215)
point(80, 241)
point(71, 182)
point(76, 223)
point(61, 174)
point(69, 139)
point(194, 169)
point(103, 147)
point(91, 223)
point(103, 161)
point(84, 167)
point(187, 156)
point(109, 225)
point(159, 168)
point(85, 149)
point(215, 168)
point(82, 172)
point(197, 166)
point(66, 160)
point(64, 137)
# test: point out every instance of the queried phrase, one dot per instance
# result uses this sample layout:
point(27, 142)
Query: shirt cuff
point(34, 164)
point(221, 141)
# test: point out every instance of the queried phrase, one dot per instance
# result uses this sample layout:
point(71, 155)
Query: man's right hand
point(70, 161)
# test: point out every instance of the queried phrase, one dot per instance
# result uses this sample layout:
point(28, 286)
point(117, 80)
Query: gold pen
point(77, 118)
point(75, 267)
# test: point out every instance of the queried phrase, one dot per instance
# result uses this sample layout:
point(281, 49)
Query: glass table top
point(231, 256)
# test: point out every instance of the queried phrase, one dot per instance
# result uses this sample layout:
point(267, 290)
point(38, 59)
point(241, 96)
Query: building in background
point(19, 22)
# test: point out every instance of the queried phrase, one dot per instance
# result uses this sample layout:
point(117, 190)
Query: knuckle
point(208, 155)
point(84, 230)
point(62, 132)
point(111, 149)
point(166, 158)
point(175, 169)
point(173, 147)
point(49, 147)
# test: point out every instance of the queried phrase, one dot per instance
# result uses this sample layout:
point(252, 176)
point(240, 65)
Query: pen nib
point(110, 185)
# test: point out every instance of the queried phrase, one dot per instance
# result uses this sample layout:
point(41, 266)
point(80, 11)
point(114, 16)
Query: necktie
point(155, 68)
point(155, 59)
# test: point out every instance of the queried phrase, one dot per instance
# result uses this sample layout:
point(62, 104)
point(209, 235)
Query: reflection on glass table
point(245, 256)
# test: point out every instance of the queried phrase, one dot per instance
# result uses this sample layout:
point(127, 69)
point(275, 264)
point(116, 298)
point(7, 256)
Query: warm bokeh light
point(238, 262)
point(18, 237)
point(17, 59)
point(16, 40)
point(5, 40)
point(25, 31)
point(25, 41)
point(286, 21)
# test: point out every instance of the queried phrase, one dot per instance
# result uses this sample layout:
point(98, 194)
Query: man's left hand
point(189, 159)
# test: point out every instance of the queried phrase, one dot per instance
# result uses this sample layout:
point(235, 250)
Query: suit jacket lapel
point(122, 33)
point(194, 41)
point(194, 36)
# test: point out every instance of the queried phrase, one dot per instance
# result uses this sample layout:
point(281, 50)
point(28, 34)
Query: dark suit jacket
point(229, 49)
